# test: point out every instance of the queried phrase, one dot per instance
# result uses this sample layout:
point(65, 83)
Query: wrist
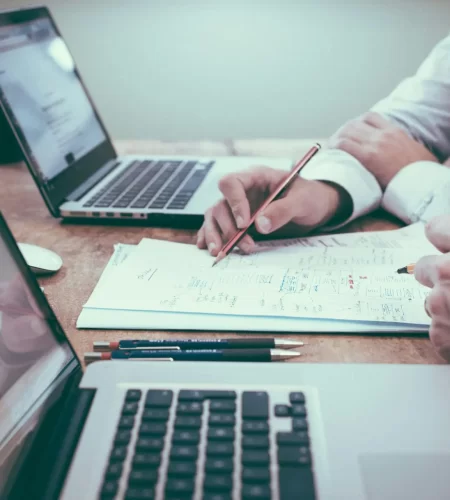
point(338, 206)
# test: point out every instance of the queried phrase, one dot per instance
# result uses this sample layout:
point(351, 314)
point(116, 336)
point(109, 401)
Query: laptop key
point(188, 453)
point(288, 455)
point(190, 409)
point(219, 465)
point(177, 469)
point(143, 477)
point(118, 454)
point(256, 491)
point(259, 458)
point(298, 411)
point(255, 442)
point(255, 475)
point(123, 437)
point(217, 496)
point(282, 411)
point(185, 395)
point(177, 488)
point(126, 422)
point(130, 408)
point(140, 494)
point(216, 482)
point(222, 406)
point(188, 422)
point(255, 405)
point(292, 438)
point(219, 394)
point(152, 429)
point(158, 399)
point(297, 398)
point(186, 437)
point(221, 434)
point(299, 424)
point(109, 489)
point(295, 482)
point(220, 449)
point(114, 470)
point(149, 444)
point(256, 427)
point(221, 419)
point(151, 414)
point(147, 460)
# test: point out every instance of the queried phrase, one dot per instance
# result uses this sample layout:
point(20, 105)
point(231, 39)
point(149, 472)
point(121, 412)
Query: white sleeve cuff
point(418, 192)
point(339, 167)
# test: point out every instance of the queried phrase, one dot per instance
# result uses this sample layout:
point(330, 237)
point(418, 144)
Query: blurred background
point(217, 69)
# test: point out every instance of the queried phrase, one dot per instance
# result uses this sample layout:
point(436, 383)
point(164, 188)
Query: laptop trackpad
point(409, 476)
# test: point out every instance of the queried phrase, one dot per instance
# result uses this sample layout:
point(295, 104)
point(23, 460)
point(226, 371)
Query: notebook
point(330, 283)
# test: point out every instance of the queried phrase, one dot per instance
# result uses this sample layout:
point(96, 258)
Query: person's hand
point(304, 205)
point(434, 272)
point(382, 147)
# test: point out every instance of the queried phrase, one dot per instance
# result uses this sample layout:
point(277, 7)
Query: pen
point(409, 269)
point(226, 249)
point(195, 355)
point(176, 345)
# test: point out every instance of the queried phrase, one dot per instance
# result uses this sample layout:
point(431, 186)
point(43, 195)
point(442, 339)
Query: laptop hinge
point(92, 181)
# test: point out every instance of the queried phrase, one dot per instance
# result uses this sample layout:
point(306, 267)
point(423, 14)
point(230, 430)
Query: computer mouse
point(40, 260)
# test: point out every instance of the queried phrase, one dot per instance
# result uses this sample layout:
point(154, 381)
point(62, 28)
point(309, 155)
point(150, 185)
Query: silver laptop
point(212, 431)
point(67, 147)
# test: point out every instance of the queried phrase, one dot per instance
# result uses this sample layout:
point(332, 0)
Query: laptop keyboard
point(153, 185)
point(209, 444)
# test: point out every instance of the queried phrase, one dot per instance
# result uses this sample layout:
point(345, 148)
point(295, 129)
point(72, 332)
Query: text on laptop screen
point(31, 357)
point(41, 87)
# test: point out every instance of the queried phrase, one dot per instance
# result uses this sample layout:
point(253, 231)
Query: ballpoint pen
point(194, 355)
point(183, 344)
point(226, 249)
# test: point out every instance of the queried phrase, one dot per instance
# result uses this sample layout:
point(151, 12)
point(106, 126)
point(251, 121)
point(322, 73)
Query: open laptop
point(212, 431)
point(67, 148)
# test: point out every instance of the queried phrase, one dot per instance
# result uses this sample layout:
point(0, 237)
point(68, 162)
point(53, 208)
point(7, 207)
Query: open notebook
point(338, 283)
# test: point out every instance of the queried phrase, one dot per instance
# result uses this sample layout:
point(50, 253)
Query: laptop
point(67, 147)
point(200, 430)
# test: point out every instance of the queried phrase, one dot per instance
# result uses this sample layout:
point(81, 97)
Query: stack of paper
point(338, 283)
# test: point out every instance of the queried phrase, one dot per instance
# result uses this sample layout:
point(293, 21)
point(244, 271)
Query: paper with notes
point(310, 282)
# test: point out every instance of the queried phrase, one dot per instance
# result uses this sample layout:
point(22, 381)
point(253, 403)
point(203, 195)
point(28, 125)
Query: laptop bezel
point(59, 188)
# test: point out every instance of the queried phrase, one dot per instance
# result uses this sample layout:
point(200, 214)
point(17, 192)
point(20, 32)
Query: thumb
point(276, 215)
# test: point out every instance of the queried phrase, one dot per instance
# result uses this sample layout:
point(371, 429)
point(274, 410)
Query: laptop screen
point(32, 353)
point(46, 102)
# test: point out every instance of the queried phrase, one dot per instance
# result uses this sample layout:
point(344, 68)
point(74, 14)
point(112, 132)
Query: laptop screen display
point(39, 83)
point(31, 355)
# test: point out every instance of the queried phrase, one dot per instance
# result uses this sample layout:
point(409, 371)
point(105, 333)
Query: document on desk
point(315, 288)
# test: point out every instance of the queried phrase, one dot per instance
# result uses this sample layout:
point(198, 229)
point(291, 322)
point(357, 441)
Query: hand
point(304, 206)
point(383, 148)
point(434, 272)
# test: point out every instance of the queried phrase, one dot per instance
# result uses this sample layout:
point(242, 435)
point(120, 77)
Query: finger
point(438, 232)
point(376, 120)
point(348, 145)
point(213, 237)
point(201, 243)
point(432, 269)
point(227, 225)
point(438, 304)
point(276, 215)
point(356, 131)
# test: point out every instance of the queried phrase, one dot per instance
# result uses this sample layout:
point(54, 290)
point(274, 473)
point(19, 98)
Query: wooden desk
point(85, 250)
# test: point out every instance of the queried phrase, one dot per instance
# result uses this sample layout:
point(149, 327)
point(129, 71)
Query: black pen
point(182, 344)
point(194, 355)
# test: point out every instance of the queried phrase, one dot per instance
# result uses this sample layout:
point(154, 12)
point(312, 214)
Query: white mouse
point(40, 260)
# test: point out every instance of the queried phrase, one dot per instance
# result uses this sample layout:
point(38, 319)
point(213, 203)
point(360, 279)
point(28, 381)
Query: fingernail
point(264, 224)
point(239, 222)
point(211, 247)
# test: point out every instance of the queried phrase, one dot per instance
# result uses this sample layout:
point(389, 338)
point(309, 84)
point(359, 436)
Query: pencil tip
point(402, 270)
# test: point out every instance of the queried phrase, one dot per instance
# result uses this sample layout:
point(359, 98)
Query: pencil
point(409, 269)
point(226, 249)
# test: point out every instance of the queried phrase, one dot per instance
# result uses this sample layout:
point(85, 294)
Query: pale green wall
point(214, 69)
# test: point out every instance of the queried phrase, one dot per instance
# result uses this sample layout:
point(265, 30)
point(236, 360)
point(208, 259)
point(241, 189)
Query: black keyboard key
point(158, 204)
point(188, 453)
point(149, 444)
point(140, 494)
point(178, 488)
point(158, 399)
point(130, 408)
point(158, 415)
point(219, 449)
point(282, 410)
point(221, 406)
point(255, 405)
point(191, 396)
point(258, 458)
point(255, 442)
point(256, 475)
point(292, 438)
point(189, 409)
point(147, 460)
point(114, 470)
point(143, 477)
point(118, 454)
point(186, 437)
point(297, 398)
point(298, 411)
point(179, 469)
point(126, 422)
point(295, 482)
point(188, 423)
point(289, 455)
point(217, 496)
point(152, 429)
point(222, 419)
point(123, 437)
point(256, 491)
point(216, 482)
point(255, 427)
point(133, 395)
point(109, 489)
point(219, 465)
point(221, 434)
point(219, 394)
point(299, 424)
